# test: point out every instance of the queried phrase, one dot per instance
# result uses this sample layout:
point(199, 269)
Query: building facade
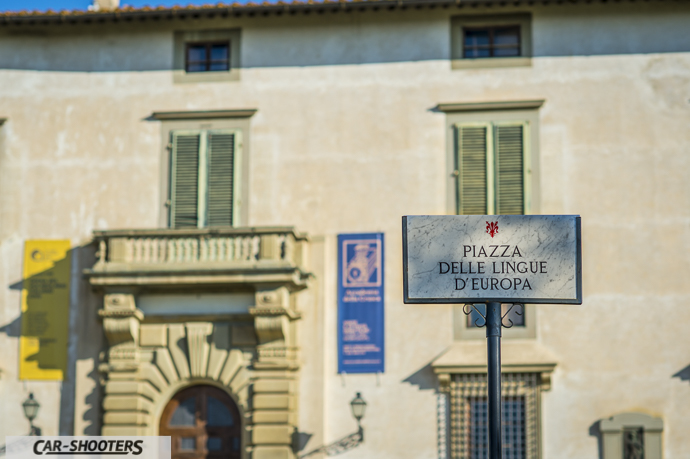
point(202, 162)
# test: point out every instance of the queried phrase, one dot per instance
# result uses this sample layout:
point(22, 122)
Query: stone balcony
point(200, 257)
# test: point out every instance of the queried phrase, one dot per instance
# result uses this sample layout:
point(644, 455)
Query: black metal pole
point(493, 342)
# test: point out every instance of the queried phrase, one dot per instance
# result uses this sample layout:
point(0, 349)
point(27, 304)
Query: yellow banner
point(45, 310)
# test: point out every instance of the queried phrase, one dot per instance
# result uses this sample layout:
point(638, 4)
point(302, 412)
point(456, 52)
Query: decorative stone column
point(126, 405)
point(275, 373)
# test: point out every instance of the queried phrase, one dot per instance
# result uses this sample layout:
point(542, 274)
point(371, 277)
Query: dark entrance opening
point(203, 423)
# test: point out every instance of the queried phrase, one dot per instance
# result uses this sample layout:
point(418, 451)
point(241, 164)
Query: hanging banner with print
point(45, 310)
point(360, 303)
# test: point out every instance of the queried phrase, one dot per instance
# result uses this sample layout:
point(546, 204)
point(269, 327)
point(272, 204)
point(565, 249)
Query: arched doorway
point(203, 423)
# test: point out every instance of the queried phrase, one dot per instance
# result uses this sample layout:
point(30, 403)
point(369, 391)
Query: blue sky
point(57, 5)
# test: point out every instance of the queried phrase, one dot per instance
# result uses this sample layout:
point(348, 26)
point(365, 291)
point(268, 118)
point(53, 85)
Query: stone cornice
point(488, 106)
point(270, 312)
point(222, 231)
point(203, 114)
point(293, 278)
point(518, 356)
point(120, 313)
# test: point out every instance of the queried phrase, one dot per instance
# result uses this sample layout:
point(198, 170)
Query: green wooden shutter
point(509, 175)
point(184, 190)
point(221, 178)
point(472, 177)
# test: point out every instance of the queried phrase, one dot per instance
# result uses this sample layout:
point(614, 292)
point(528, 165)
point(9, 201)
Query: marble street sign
point(483, 258)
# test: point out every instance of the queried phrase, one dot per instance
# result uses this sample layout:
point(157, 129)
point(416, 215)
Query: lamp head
point(31, 407)
point(358, 406)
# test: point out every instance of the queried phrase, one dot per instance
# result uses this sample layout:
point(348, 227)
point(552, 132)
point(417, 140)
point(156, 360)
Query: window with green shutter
point(492, 164)
point(204, 178)
point(492, 168)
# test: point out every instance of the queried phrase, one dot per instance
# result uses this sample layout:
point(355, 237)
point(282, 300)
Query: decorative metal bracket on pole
point(493, 321)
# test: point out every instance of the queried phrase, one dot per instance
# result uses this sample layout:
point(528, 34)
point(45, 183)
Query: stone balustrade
point(212, 250)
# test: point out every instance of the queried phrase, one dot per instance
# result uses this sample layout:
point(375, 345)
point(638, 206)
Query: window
point(205, 157)
point(633, 443)
point(492, 168)
point(631, 436)
point(491, 41)
point(208, 57)
point(520, 413)
point(204, 179)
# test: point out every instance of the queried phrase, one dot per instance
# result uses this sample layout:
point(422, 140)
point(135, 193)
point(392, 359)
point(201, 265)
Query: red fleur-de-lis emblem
point(492, 228)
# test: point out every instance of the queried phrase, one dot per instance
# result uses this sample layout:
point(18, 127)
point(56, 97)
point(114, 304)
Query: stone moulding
point(203, 115)
point(265, 312)
point(485, 106)
point(526, 356)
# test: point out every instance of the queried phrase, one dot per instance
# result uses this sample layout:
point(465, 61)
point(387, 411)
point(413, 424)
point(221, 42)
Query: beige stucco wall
point(345, 140)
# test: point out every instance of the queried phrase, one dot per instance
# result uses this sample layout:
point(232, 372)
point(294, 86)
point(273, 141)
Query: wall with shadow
point(87, 50)
point(346, 38)
point(595, 431)
point(90, 342)
point(424, 378)
point(604, 29)
point(12, 329)
point(684, 374)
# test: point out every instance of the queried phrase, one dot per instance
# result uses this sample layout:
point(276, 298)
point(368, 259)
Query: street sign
point(492, 258)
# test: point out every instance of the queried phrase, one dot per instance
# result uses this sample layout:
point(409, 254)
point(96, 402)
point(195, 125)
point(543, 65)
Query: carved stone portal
point(148, 363)
point(254, 358)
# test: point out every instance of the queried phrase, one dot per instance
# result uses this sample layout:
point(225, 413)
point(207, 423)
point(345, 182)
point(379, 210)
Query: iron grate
point(519, 411)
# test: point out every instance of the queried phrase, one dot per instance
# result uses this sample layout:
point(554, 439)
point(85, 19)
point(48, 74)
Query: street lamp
point(359, 406)
point(31, 407)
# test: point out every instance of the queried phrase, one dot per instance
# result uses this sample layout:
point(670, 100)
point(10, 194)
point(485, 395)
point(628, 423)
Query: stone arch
point(254, 358)
point(143, 376)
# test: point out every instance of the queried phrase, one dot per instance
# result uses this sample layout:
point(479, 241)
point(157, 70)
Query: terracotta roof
point(212, 8)
point(241, 9)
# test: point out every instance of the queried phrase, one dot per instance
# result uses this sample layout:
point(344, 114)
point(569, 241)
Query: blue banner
point(360, 303)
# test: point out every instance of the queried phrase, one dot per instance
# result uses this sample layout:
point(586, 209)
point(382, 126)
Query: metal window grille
point(519, 411)
point(633, 443)
point(442, 410)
